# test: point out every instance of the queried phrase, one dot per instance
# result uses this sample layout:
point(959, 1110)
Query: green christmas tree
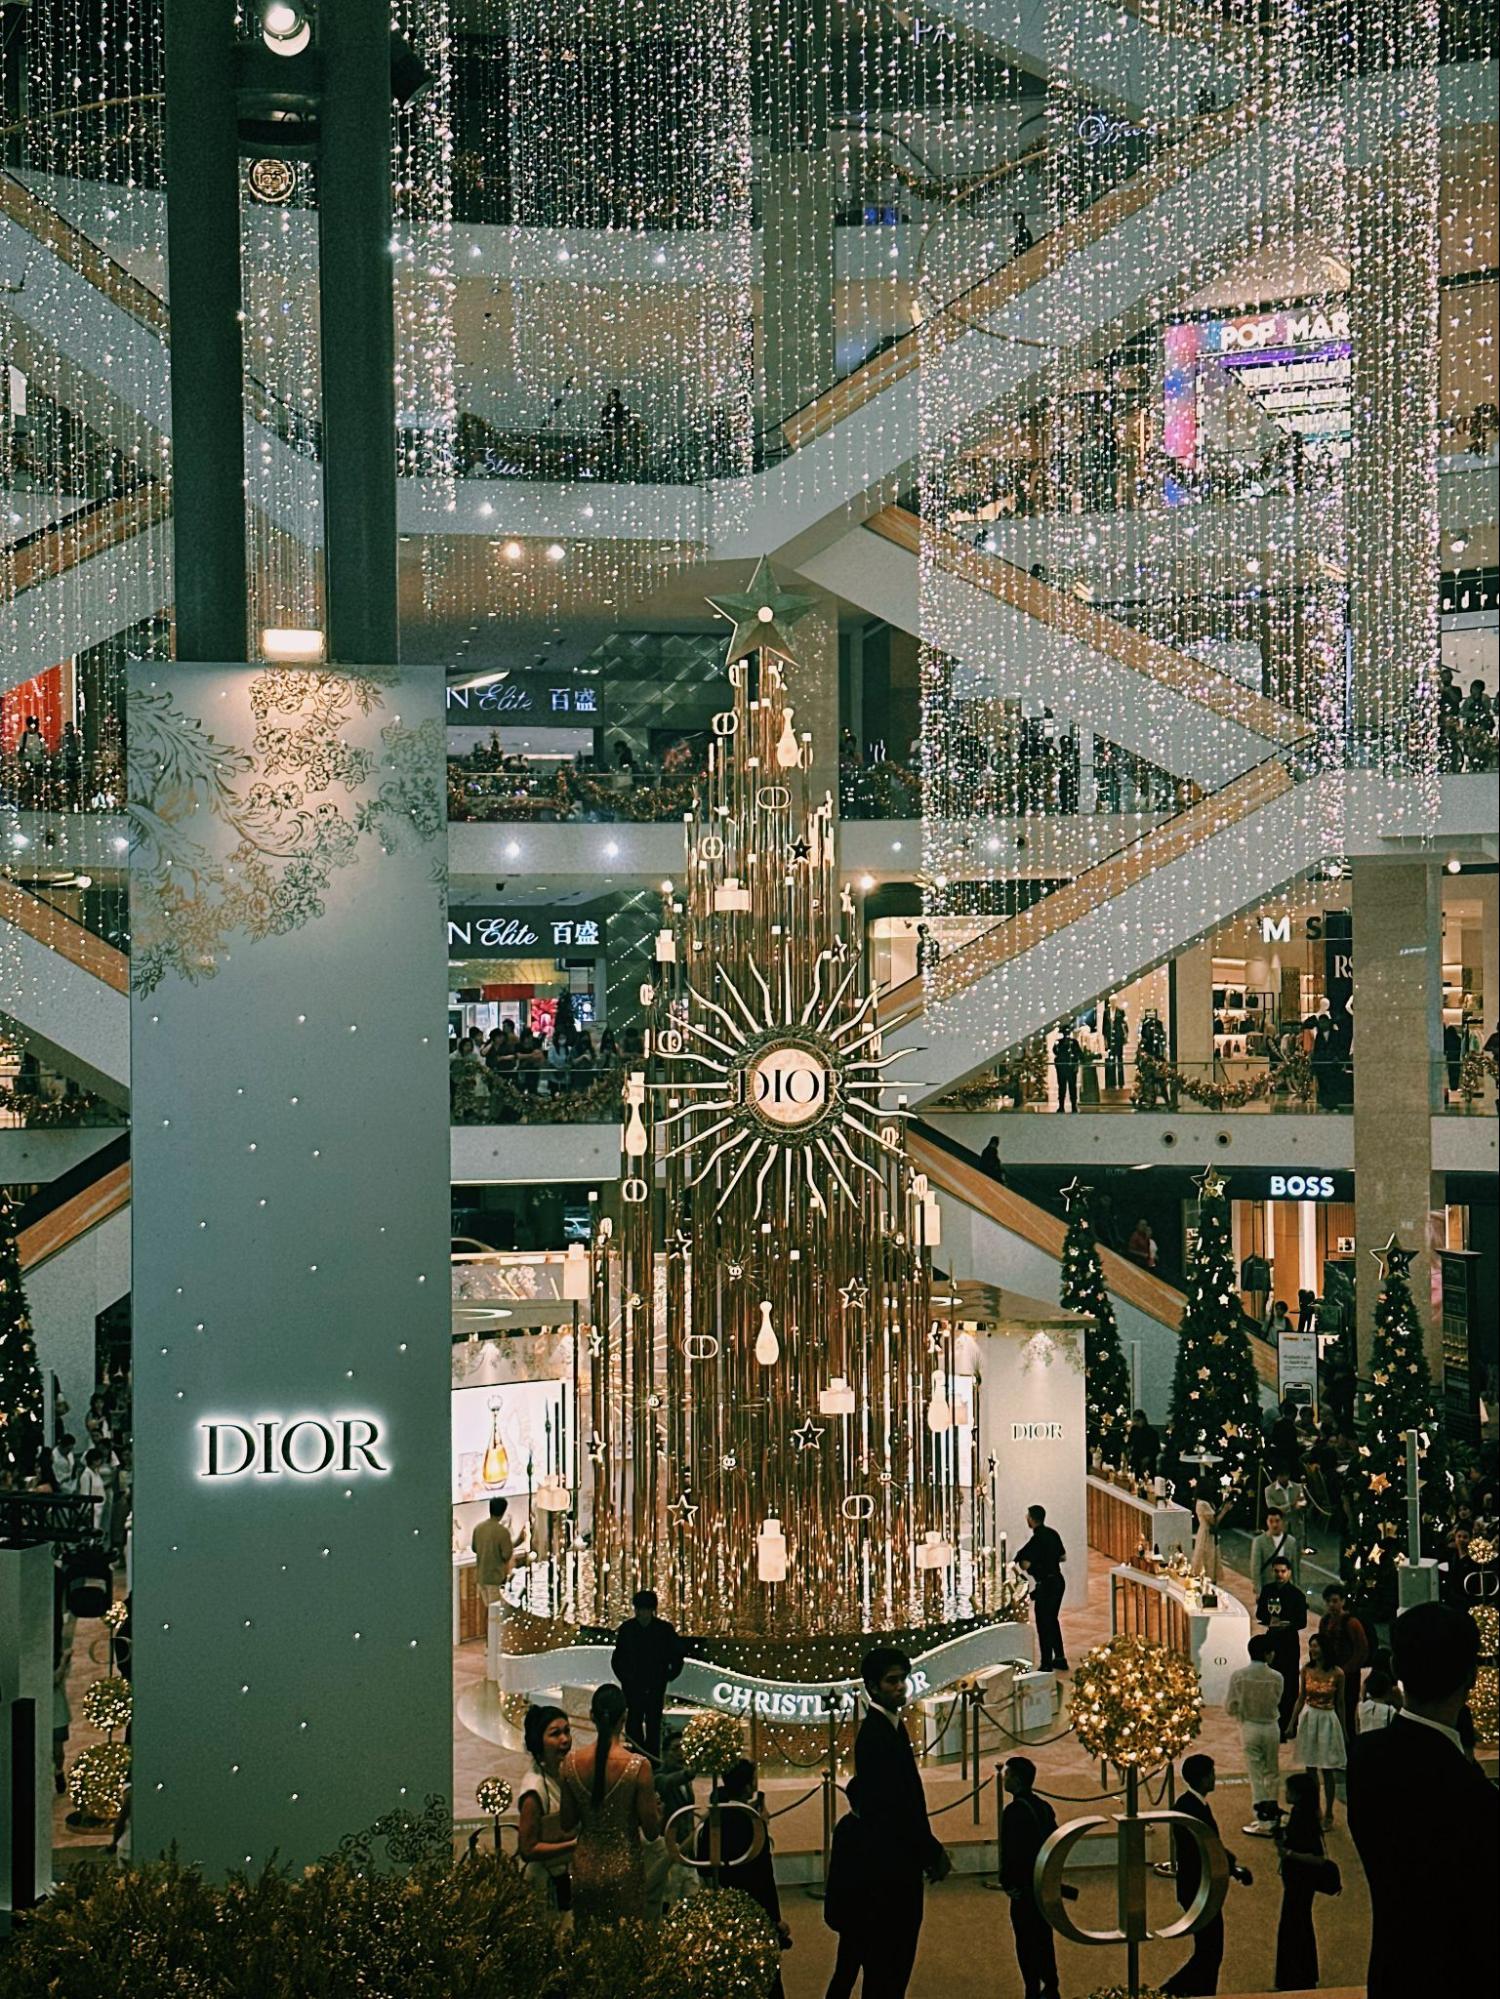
point(1082, 1290)
point(1215, 1406)
point(21, 1428)
point(1399, 1398)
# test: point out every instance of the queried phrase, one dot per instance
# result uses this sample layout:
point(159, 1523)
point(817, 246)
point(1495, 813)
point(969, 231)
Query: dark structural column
point(358, 332)
point(203, 262)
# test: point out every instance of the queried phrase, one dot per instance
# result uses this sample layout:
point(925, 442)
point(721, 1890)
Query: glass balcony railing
point(538, 1086)
point(36, 1098)
point(1296, 1084)
point(65, 779)
point(560, 792)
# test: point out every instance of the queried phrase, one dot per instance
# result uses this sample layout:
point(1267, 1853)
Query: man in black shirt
point(1042, 1559)
point(1026, 1824)
point(1282, 1609)
point(648, 1655)
point(1200, 1975)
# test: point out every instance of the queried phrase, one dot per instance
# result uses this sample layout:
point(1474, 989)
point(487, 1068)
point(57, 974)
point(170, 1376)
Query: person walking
point(753, 1876)
point(648, 1656)
point(843, 1906)
point(1346, 1644)
point(1042, 1559)
point(1316, 1722)
point(545, 1851)
point(1274, 1542)
point(1253, 1699)
point(1424, 1819)
point(1025, 1826)
point(1116, 1036)
point(1200, 1975)
point(897, 1847)
point(1282, 1609)
point(609, 1803)
point(1306, 1872)
point(494, 1552)
point(989, 1159)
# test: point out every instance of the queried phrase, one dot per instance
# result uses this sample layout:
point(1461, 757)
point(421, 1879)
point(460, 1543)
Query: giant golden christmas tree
point(774, 1444)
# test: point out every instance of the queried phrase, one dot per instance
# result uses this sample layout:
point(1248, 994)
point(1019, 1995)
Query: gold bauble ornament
point(715, 1945)
point(1135, 1704)
point(99, 1778)
point(493, 1796)
point(106, 1705)
point(710, 1743)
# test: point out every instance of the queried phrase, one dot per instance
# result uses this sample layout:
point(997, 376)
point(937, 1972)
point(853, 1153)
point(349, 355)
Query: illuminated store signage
point(1036, 1433)
point(305, 1447)
point(511, 933)
point(1301, 1186)
point(1295, 363)
point(523, 697)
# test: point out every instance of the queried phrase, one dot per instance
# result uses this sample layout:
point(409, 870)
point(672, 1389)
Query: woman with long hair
point(1306, 1872)
point(544, 1847)
point(1316, 1722)
point(610, 1802)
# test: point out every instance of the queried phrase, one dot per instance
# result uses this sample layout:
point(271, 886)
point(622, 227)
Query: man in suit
point(1282, 1609)
point(648, 1656)
point(897, 1847)
point(1026, 1824)
point(1042, 1559)
point(1200, 1975)
point(1264, 1548)
point(1425, 1820)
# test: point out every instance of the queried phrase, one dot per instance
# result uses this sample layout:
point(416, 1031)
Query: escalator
point(997, 1236)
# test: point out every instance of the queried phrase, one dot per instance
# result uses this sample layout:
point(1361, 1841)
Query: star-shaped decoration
point(808, 1436)
point(1203, 1374)
point(854, 1295)
point(936, 1340)
point(684, 1509)
point(1394, 1261)
point(598, 1450)
point(1210, 1184)
point(762, 615)
point(1379, 1482)
point(679, 1242)
point(1074, 1191)
point(800, 850)
point(1218, 1339)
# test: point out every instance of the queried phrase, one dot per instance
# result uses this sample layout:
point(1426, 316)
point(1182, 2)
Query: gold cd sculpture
point(775, 1447)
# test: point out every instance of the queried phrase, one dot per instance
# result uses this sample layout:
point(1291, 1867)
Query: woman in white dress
point(1315, 1722)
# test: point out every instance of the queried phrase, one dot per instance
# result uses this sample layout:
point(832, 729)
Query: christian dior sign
point(304, 1447)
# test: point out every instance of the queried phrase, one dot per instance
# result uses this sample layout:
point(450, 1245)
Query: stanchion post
point(974, 1784)
point(999, 1812)
point(963, 1734)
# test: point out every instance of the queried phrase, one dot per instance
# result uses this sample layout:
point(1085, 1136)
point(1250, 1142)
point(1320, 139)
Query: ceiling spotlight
point(285, 27)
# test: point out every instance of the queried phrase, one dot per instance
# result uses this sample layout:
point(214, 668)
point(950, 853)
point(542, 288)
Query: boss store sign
point(521, 933)
point(1294, 1184)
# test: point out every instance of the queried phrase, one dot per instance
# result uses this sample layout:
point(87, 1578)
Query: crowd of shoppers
point(621, 782)
point(503, 1077)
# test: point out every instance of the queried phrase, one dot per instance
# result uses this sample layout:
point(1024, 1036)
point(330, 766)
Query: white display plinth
point(1214, 1639)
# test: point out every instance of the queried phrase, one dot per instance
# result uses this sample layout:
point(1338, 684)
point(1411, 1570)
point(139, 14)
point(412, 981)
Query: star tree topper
point(1210, 1184)
point(1394, 1261)
point(762, 616)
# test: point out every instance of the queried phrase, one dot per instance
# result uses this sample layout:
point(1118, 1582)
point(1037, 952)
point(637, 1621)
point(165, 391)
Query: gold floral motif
point(299, 802)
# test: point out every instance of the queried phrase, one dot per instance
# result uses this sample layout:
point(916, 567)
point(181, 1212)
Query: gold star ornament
point(1209, 1183)
point(762, 615)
